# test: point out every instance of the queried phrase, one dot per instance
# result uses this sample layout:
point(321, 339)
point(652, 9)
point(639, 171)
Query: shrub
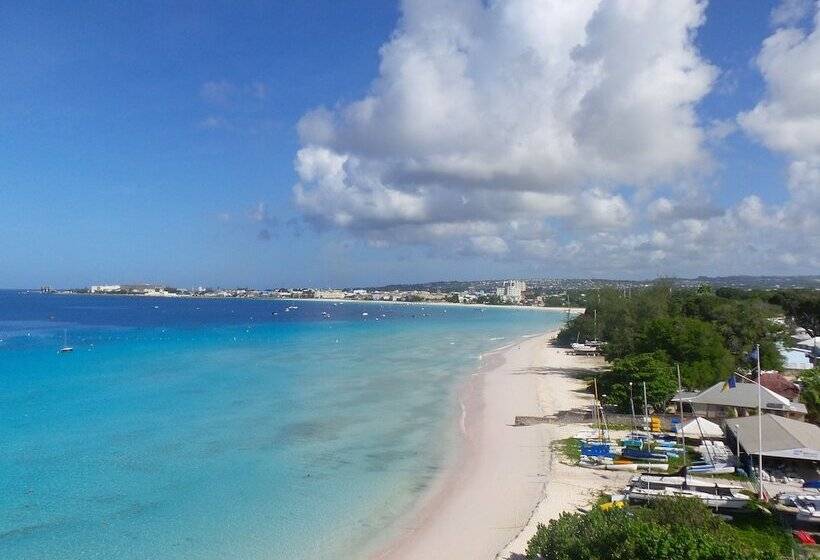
point(668, 529)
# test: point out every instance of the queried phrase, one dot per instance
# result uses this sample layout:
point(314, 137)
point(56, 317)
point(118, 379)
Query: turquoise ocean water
point(211, 429)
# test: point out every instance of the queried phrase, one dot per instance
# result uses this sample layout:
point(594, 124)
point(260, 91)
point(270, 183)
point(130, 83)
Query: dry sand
point(488, 503)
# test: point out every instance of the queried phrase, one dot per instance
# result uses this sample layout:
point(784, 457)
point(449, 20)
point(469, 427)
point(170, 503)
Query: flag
point(752, 356)
point(729, 383)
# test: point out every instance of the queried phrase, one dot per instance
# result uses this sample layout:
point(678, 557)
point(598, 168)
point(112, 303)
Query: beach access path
point(505, 480)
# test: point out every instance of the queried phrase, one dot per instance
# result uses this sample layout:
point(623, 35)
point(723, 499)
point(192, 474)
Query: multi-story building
point(512, 291)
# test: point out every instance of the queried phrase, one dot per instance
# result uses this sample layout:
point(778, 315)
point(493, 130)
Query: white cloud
point(489, 245)
point(532, 129)
point(787, 120)
point(521, 110)
point(790, 12)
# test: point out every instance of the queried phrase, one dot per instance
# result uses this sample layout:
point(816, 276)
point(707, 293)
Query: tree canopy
point(652, 368)
point(668, 529)
point(707, 333)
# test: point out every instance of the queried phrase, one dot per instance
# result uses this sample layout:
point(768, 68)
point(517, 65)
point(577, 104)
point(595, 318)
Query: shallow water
point(182, 428)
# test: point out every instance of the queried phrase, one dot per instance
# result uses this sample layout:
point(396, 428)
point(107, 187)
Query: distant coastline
point(571, 310)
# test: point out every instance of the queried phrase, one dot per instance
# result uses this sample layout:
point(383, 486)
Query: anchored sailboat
point(66, 348)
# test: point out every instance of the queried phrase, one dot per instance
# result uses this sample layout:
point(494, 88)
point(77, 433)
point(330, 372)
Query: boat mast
point(645, 405)
point(597, 412)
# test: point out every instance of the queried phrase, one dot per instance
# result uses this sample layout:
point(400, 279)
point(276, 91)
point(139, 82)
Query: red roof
point(780, 385)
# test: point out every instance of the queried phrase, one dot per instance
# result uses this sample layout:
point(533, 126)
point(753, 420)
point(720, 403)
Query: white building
point(105, 289)
point(512, 290)
point(329, 294)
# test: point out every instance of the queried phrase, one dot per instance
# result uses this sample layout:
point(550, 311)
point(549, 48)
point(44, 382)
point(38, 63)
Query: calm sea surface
point(213, 429)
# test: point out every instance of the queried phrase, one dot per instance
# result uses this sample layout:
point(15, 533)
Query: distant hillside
point(758, 282)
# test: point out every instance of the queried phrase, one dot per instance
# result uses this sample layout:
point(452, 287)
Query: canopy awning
point(782, 437)
point(701, 428)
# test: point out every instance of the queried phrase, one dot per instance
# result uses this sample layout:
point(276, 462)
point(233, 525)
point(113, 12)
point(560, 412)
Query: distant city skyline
point(370, 143)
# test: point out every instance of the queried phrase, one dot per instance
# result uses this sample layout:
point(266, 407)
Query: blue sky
point(158, 142)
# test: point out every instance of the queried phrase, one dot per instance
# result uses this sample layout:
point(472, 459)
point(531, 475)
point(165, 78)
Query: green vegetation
point(707, 333)
point(492, 300)
point(570, 448)
point(810, 379)
point(652, 368)
point(667, 529)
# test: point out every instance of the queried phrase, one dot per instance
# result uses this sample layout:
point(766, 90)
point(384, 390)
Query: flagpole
point(682, 435)
point(759, 425)
point(759, 431)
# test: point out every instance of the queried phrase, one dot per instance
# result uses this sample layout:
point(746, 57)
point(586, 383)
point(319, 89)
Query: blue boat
point(643, 455)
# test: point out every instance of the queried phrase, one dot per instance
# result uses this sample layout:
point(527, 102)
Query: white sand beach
point(506, 480)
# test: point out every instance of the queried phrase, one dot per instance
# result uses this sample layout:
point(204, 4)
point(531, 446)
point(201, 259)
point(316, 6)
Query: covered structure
point(720, 401)
point(701, 428)
point(783, 438)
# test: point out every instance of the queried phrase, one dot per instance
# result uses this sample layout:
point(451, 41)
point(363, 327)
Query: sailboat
point(66, 348)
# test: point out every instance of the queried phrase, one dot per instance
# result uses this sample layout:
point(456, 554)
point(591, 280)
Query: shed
point(783, 438)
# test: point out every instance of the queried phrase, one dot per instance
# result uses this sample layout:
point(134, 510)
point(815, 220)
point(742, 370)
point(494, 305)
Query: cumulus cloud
point(787, 120)
point(540, 129)
point(526, 111)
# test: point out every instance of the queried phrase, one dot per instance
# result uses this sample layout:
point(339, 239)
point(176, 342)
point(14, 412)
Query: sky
point(328, 143)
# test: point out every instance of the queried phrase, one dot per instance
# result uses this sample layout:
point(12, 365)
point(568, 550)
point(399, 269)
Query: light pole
point(632, 405)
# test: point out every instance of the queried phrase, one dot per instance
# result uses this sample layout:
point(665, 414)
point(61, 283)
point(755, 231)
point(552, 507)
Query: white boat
point(714, 494)
point(807, 506)
point(66, 348)
point(583, 348)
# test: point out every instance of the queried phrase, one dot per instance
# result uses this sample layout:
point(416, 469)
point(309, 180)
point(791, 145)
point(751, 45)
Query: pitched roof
point(743, 395)
point(782, 437)
point(701, 427)
point(779, 384)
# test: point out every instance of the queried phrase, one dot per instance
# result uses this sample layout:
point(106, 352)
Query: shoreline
point(503, 480)
point(572, 310)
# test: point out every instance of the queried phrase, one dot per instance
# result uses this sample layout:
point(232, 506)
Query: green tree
point(810, 392)
point(742, 321)
point(694, 344)
point(652, 368)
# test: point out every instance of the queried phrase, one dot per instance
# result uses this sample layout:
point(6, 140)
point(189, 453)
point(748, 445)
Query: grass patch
point(569, 448)
point(727, 476)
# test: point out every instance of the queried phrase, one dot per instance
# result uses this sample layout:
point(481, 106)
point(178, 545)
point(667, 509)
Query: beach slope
point(485, 503)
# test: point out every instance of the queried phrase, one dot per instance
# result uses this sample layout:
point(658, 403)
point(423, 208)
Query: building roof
point(779, 384)
point(701, 428)
point(782, 437)
point(742, 395)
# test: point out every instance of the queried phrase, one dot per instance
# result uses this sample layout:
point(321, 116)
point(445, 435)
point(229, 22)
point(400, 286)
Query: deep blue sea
point(226, 429)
